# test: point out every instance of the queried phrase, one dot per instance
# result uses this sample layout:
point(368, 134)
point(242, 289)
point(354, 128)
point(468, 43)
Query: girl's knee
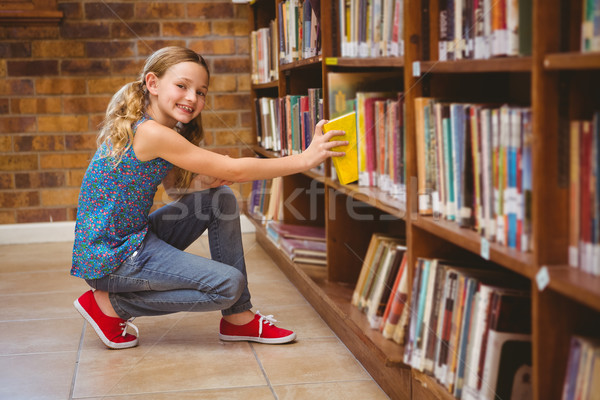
point(234, 286)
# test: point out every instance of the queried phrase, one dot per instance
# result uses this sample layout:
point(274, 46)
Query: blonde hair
point(128, 105)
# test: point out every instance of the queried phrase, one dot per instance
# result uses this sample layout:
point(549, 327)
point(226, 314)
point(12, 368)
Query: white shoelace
point(129, 323)
point(264, 319)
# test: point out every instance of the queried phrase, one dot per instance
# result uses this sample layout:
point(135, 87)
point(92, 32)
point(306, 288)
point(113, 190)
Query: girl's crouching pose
point(135, 260)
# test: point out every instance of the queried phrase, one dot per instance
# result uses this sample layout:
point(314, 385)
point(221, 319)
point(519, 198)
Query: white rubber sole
point(281, 340)
point(109, 343)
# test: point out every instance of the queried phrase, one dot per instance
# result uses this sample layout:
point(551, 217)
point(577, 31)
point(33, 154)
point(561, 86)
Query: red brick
point(243, 83)
point(210, 10)
point(222, 83)
point(85, 30)
point(7, 181)
point(41, 215)
point(35, 105)
point(147, 47)
point(63, 123)
point(231, 137)
point(21, 87)
point(29, 31)
point(108, 85)
point(159, 10)
point(127, 67)
point(216, 120)
point(36, 180)
point(19, 199)
point(57, 49)
point(17, 162)
point(60, 86)
point(85, 105)
point(5, 143)
point(214, 46)
point(109, 49)
point(8, 217)
point(231, 101)
point(104, 10)
point(242, 46)
point(71, 11)
point(17, 124)
point(81, 142)
point(96, 121)
point(246, 119)
point(59, 197)
point(230, 28)
point(15, 50)
point(186, 29)
point(64, 160)
point(75, 177)
point(231, 65)
point(32, 68)
point(39, 143)
point(135, 29)
point(4, 106)
point(87, 67)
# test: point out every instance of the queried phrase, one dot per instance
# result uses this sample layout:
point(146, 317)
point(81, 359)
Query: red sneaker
point(261, 329)
point(111, 330)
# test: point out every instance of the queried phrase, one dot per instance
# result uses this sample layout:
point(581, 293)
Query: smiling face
point(179, 94)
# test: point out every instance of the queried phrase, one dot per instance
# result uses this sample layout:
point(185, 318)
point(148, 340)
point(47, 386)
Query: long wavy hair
point(129, 104)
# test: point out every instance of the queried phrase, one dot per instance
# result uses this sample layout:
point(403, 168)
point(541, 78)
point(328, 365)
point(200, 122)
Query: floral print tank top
point(114, 204)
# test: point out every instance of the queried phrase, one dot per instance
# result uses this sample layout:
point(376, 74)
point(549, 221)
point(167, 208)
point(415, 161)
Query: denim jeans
point(161, 278)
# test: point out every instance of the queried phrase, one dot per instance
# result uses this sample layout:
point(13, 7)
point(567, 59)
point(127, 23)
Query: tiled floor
point(48, 352)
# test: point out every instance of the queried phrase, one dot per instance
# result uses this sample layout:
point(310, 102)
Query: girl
point(135, 261)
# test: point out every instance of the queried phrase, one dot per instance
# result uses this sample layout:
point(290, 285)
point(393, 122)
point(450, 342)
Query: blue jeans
point(160, 278)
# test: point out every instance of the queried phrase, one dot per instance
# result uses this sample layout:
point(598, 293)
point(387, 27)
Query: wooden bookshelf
point(557, 81)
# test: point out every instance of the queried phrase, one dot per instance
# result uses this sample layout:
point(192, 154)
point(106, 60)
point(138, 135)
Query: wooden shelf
point(372, 196)
point(572, 61)
point(382, 62)
point(519, 262)
point(508, 64)
point(304, 63)
point(576, 284)
point(268, 85)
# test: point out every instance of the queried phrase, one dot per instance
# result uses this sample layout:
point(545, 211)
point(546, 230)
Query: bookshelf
point(557, 81)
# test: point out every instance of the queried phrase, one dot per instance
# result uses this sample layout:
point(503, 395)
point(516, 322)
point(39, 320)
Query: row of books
point(301, 243)
point(479, 29)
point(381, 291)
point(582, 377)
point(299, 29)
point(266, 200)
point(584, 196)
point(371, 28)
point(264, 55)
point(287, 124)
point(474, 167)
point(590, 26)
point(470, 327)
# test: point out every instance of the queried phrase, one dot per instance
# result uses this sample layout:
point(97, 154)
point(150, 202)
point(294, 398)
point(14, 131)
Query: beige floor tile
point(282, 293)
point(19, 307)
point(39, 282)
point(40, 336)
point(37, 376)
point(166, 366)
point(36, 257)
point(308, 361)
point(353, 390)
point(252, 393)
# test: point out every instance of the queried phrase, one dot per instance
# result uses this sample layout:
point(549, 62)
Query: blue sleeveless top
point(114, 204)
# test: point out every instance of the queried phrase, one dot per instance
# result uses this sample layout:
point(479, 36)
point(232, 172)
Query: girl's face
point(179, 95)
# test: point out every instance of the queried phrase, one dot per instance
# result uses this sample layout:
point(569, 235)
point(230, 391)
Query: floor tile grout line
point(263, 371)
point(76, 369)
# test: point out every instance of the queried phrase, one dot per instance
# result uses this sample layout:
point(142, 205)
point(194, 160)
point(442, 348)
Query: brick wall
point(56, 81)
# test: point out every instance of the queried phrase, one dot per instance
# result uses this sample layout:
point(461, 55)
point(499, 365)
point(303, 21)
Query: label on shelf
point(485, 248)
point(416, 68)
point(542, 278)
point(331, 60)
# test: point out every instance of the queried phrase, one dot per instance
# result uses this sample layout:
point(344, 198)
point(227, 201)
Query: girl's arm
point(154, 140)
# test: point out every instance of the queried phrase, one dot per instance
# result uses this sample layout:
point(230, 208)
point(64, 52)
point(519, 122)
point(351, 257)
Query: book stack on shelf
point(266, 200)
point(263, 54)
point(584, 210)
point(474, 167)
point(299, 29)
point(582, 379)
point(590, 26)
point(381, 290)
point(287, 124)
point(301, 244)
point(482, 29)
point(371, 28)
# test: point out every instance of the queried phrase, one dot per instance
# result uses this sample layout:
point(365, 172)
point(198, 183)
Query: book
point(397, 301)
point(276, 229)
point(346, 166)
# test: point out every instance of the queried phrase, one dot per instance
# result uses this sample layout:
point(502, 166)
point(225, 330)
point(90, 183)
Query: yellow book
point(346, 166)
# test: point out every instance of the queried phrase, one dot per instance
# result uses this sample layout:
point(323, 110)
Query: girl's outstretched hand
point(320, 146)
